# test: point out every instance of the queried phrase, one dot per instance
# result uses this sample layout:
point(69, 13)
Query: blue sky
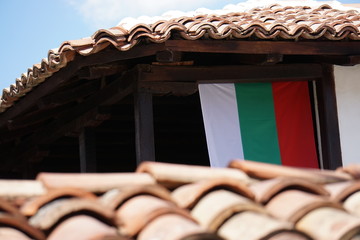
point(29, 28)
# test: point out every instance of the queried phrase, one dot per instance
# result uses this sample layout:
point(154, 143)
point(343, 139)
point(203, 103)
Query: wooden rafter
point(73, 118)
point(58, 78)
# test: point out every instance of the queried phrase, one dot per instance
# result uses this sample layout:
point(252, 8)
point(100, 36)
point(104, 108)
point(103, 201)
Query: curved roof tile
point(178, 227)
point(57, 211)
point(137, 212)
point(329, 223)
point(274, 22)
point(264, 226)
point(265, 190)
point(116, 197)
point(175, 175)
point(31, 207)
point(287, 207)
point(188, 195)
point(217, 206)
point(297, 210)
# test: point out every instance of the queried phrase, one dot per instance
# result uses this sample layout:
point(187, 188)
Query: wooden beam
point(337, 60)
point(87, 148)
point(99, 71)
point(68, 120)
point(144, 127)
point(329, 128)
point(32, 119)
point(173, 88)
point(168, 56)
point(58, 78)
point(266, 47)
point(243, 73)
point(69, 95)
point(31, 98)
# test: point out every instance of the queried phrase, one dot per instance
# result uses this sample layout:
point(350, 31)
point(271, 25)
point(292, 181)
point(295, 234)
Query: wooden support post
point(144, 127)
point(329, 127)
point(87, 146)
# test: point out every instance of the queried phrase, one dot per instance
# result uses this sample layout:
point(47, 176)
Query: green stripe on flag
point(257, 122)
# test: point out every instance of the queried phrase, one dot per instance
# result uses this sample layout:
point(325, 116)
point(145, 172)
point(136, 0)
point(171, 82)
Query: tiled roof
point(274, 22)
point(171, 201)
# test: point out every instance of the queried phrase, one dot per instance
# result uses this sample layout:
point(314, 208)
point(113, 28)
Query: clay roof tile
point(217, 206)
point(352, 204)
point(32, 206)
point(268, 171)
point(188, 195)
point(329, 223)
point(175, 227)
point(258, 22)
point(254, 226)
point(83, 227)
point(265, 190)
point(116, 197)
point(174, 175)
point(18, 191)
point(138, 211)
point(287, 205)
point(21, 225)
point(53, 213)
point(93, 182)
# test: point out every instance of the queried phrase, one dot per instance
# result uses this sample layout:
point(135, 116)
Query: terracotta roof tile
point(275, 22)
point(138, 211)
point(31, 207)
point(329, 223)
point(82, 227)
point(266, 190)
point(268, 171)
point(353, 170)
point(177, 227)
point(340, 191)
point(254, 226)
point(209, 208)
point(352, 204)
point(57, 211)
point(93, 182)
point(217, 206)
point(116, 197)
point(188, 195)
point(20, 225)
point(12, 234)
point(286, 235)
point(7, 208)
point(174, 175)
point(20, 189)
point(287, 207)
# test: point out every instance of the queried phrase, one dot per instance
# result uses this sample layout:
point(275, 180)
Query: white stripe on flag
point(221, 120)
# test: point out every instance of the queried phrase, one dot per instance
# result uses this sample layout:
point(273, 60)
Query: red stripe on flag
point(294, 124)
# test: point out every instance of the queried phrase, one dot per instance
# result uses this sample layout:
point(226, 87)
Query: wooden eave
point(77, 95)
point(344, 53)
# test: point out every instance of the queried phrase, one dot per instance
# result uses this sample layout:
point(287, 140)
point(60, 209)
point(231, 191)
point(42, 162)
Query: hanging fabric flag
point(266, 122)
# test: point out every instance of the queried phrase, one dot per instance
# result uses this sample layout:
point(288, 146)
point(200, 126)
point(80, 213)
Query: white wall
point(347, 85)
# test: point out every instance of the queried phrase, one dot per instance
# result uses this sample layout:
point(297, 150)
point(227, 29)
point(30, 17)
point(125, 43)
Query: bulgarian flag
point(266, 122)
